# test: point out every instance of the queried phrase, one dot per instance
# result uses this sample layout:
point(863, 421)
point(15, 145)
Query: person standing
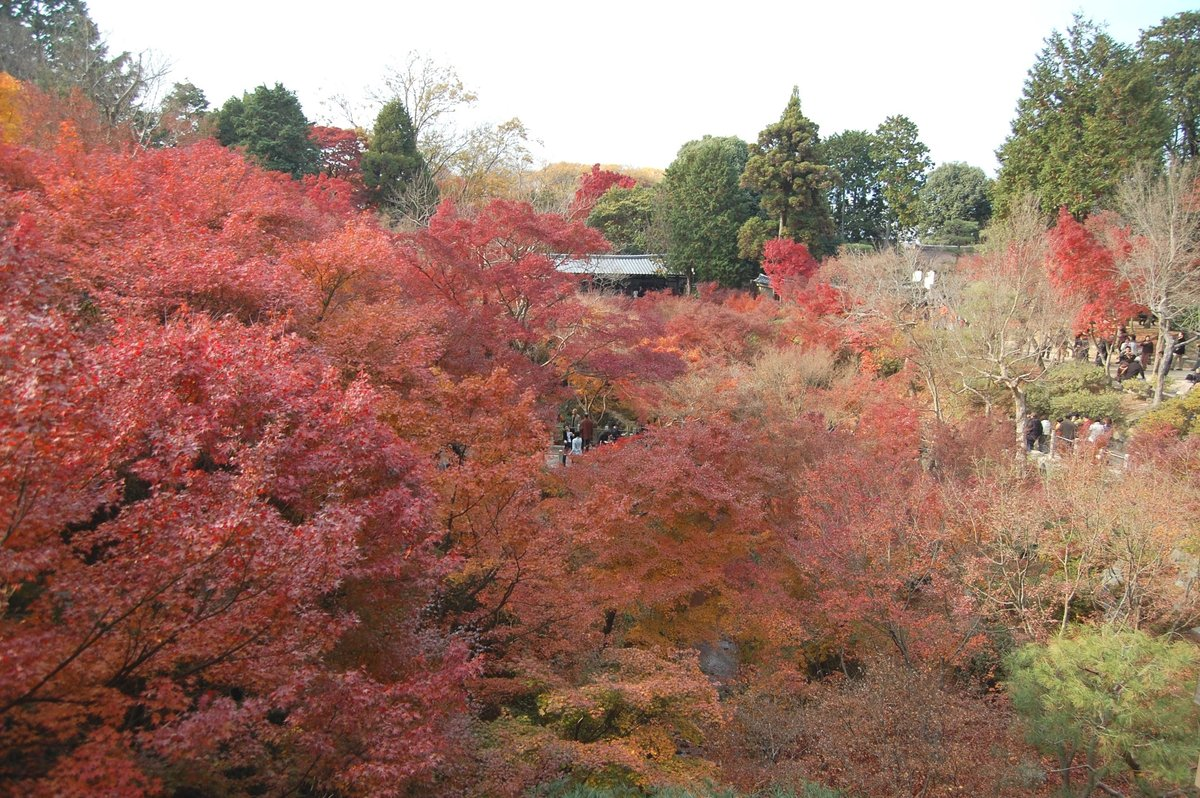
point(566, 442)
point(1033, 428)
point(1128, 348)
point(1079, 350)
point(587, 429)
point(1066, 434)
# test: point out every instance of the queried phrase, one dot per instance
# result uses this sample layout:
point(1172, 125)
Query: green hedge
point(1076, 387)
point(1092, 405)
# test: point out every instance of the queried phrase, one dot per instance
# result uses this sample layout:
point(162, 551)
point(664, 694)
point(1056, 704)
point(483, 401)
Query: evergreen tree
point(903, 161)
point(1110, 703)
point(1172, 50)
point(857, 197)
point(271, 126)
point(704, 206)
point(1090, 112)
point(624, 216)
point(785, 167)
point(38, 37)
point(56, 45)
point(392, 163)
point(753, 235)
point(180, 116)
point(955, 204)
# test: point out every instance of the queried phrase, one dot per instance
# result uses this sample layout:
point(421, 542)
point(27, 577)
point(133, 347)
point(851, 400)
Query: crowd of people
point(1062, 437)
point(1134, 358)
point(580, 435)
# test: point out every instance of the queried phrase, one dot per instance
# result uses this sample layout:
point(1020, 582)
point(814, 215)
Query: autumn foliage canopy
point(280, 512)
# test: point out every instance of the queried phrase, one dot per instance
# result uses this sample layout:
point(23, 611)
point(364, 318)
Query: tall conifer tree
point(392, 162)
point(1089, 113)
point(785, 167)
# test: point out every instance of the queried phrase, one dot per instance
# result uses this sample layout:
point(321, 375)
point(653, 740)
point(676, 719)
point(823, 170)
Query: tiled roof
point(616, 265)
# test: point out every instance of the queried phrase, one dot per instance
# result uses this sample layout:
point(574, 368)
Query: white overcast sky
point(627, 82)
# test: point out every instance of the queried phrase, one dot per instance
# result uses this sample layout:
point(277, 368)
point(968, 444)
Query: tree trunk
point(934, 394)
point(1019, 406)
point(1164, 358)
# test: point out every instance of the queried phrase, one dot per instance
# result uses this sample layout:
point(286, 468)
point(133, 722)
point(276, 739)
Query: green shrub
point(1122, 697)
point(1091, 405)
point(955, 233)
point(1181, 414)
point(856, 248)
point(1037, 401)
point(1140, 388)
point(1076, 375)
point(1075, 387)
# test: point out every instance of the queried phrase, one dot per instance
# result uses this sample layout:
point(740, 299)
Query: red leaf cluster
point(1083, 258)
point(592, 186)
point(201, 509)
point(789, 265)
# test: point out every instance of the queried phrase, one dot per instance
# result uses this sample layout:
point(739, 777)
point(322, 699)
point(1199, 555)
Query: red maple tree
point(1083, 258)
point(592, 186)
point(204, 512)
point(789, 264)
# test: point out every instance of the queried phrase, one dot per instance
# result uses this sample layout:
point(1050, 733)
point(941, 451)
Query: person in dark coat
point(1174, 352)
point(1065, 434)
point(587, 431)
point(1033, 430)
point(1129, 369)
point(1147, 353)
point(1079, 350)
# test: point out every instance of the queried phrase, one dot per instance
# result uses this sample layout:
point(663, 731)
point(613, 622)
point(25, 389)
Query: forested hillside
point(289, 503)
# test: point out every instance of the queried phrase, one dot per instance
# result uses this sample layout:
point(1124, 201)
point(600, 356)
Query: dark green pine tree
point(56, 45)
point(392, 164)
point(1089, 113)
point(903, 163)
point(1172, 50)
point(272, 128)
point(786, 169)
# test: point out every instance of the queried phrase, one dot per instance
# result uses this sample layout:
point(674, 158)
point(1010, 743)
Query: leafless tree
point(467, 163)
point(1009, 317)
point(413, 203)
point(1163, 266)
point(901, 289)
